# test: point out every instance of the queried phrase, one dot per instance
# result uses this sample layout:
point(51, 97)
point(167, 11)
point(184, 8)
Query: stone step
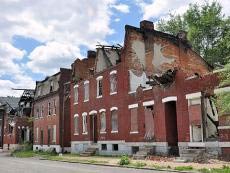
point(139, 157)
point(192, 151)
point(180, 160)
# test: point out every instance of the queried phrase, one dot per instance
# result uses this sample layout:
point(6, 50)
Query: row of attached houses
point(153, 92)
point(16, 125)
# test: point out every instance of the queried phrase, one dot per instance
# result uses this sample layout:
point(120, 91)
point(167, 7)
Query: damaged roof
point(11, 101)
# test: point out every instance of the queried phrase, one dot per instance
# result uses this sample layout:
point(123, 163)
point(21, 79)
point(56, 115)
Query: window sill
point(149, 88)
point(99, 97)
point(85, 133)
point(135, 132)
point(75, 103)
point(113, 93)
point(131, 92)
point(75, 134)
point(86, 100)
point(114, 131)
point(102, 132)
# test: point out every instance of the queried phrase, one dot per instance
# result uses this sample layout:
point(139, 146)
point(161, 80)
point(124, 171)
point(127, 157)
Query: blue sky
point(39, 37)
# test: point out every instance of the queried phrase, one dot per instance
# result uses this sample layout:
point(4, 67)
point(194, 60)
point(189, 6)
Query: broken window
point(54, 107)
point(76, 129)
point(84, 122)
point(75, 90)
point(113, 82)
point(37, 113)
point(103, 121)
point(10, 128)
point(39, 90)
point(51, 86)
point(42, 110)
point(134, 121)
point(114, 120)
point(99, 86)
point(54, 133)
point(49, 108)
point(86, 90)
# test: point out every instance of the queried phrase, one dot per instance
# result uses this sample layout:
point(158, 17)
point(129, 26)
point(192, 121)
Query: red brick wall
point(187, 63)
point(45, 121)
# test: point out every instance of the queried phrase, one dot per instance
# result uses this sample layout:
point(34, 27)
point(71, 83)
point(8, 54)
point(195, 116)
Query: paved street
point(18, 165)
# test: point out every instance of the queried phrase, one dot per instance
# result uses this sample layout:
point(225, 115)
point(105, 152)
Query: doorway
point(171, 127)
point(93, 127)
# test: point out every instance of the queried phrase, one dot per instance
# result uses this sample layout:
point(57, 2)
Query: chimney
point(91, 54)
point(182, 35)
point(145, 24)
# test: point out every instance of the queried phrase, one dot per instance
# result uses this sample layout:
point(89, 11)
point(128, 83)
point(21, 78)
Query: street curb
point(118, 166)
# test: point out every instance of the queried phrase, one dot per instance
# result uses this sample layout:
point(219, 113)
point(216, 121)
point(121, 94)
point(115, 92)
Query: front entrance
point(171, 127)
point(149, 123)
point(93, 128)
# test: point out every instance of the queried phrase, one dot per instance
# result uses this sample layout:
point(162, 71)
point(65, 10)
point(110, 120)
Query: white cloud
point(61, 26)
point(47, 59)
point(117, 20)
point(8, 54)
point(121, 7)
point(161, 8)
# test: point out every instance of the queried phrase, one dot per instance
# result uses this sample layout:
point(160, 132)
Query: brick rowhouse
point(155, 91)
point(52, 113)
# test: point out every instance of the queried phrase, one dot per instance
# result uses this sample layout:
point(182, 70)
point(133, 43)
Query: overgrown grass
point(183, 168)
point(23, 154)
point(159, 167)
point(75, 159)
point(224, 169)
point(138, 164)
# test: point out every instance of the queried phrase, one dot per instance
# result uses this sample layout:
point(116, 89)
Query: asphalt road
point(31, 165)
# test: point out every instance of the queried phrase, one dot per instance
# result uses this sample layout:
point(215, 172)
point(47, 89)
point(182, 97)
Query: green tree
point(223, 99)
point(208, 30)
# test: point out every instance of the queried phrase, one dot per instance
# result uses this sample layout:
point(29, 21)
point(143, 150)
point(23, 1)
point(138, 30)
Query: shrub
point(124, 160)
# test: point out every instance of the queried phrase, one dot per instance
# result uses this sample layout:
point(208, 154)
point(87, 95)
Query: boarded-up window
point(54, 133)
point(49, 135)
point(37, 133)
point(149, 123)
point(103, 122)
point(113, 83)
point(75, 90)
point(114, 120)
point(195, 114)
point(86, 91)
point(134, 121)
point(84, 122)
point(76, 128)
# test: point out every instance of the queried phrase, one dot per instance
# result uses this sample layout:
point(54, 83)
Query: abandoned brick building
point(152, 93)
point(52, 112)
point(16, 121)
